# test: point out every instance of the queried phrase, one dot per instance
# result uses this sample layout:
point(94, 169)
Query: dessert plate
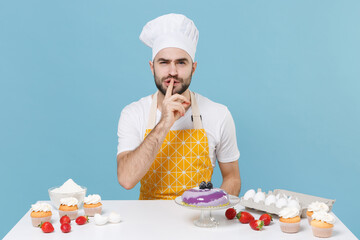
point(206, 220)
point(232, 199)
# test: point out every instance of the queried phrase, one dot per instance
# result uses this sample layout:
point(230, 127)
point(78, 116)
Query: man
point(185, 131)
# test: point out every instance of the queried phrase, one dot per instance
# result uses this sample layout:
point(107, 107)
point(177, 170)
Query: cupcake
point(289, 220)
point(322, 224)
point(69, 207)
point(92, 205)
point(315, 207)
point(40, 212)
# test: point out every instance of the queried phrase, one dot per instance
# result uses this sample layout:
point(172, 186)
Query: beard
point(185, 83)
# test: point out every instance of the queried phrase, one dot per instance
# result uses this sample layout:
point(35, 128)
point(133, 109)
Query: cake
point(322, 224)
point(289, 220)
point(40, 212)
point(315, 207)
point(205, 197)
point(69, 207)
point(92, 205)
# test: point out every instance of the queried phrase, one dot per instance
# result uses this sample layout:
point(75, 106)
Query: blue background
point(288, 71)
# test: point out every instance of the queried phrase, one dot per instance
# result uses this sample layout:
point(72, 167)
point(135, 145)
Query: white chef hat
point(171, 30)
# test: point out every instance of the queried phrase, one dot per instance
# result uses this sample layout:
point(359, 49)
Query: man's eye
point(181, 62)
point(162, 62)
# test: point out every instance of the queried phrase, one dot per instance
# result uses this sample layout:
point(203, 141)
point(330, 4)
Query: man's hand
point(173, 106)
point(133, 165)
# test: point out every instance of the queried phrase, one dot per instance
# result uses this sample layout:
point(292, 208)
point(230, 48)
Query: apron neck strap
point(195, 117)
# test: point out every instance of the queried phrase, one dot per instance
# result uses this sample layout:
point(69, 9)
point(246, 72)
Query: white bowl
point(55, 197)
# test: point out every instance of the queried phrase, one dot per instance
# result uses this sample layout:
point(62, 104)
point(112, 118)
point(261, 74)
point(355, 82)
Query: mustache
point(168, 78)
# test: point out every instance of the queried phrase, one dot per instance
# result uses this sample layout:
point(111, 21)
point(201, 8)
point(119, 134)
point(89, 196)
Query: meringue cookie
point(259, 196)
point(114, 217)
point(249, 194)
point(270, 199)
point(281, 202)
point(100, 220)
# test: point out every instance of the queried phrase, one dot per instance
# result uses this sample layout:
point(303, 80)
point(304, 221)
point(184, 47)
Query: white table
point(161, 219)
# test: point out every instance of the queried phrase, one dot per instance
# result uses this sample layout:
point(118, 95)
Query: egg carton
point(304, 201)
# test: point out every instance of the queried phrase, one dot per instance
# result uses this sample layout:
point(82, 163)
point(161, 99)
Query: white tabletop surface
point(162, 219)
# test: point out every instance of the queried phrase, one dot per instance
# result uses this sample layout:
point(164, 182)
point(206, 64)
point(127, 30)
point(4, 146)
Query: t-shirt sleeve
point(227, 149)
point(128, 131)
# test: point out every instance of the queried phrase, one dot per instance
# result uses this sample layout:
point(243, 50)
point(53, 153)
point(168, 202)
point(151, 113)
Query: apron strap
point(195, 117)
point(153, 109)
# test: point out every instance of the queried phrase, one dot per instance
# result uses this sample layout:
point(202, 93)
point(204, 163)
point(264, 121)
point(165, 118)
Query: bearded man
point(170, 141)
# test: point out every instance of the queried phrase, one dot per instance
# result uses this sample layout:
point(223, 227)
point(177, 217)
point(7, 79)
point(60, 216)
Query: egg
point(281, 195)
point(259, 196)
point(270, 199)
point(281, 202)
point(114, 217)
point(294, 203)
point(100, 220)
point(249, 194)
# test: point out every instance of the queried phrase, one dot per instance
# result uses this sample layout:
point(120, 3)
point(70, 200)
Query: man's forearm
point(132, 166)
point(231, 186)
point(231, 177)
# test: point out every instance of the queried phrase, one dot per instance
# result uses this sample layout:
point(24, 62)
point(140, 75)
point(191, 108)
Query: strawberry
point(256, 224)
point(267, 218)
point(230, 213)
point(46, 227)
point(82, 220)
point(244, 217)
point(65, 219)
point(65, 228)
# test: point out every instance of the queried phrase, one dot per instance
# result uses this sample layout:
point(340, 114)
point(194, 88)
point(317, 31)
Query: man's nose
point(173, 69)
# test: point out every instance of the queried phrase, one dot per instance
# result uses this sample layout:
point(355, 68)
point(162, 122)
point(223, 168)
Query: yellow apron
point(182, 162)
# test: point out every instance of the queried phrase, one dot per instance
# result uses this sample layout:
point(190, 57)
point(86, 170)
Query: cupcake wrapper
point(322, 232)
point(290, 227)
point(92, 211)
point(37, 221)
point(71, 214)
point(309, 219)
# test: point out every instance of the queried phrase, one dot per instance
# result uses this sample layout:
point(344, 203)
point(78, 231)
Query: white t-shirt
point(216, 119)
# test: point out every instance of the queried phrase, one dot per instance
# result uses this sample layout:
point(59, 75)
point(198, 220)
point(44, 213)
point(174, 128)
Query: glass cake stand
point(206, 220)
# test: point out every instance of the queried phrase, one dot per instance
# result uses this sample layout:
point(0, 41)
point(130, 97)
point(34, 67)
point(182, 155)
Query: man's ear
point(151, 67)
point(194, 67)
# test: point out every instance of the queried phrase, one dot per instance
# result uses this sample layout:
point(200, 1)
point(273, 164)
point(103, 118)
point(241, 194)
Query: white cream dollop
point(114, 217)
point(69, 201)
point(92, 199)
point(40, 207)
point(270, 199)
point(318, 206)
point(324, 217)
point(249, 194)
point(68, 187)
point(100, 220)
point(289, 212)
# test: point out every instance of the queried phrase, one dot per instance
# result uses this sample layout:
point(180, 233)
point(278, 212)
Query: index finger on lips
point(169, 89)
